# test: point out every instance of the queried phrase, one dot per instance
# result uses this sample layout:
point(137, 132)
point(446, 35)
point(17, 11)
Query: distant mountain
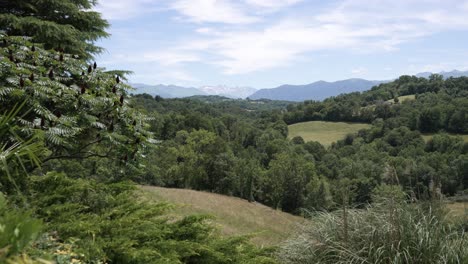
point(454, 73)
point(173, 91)
point(166, 91)
point(231, 92)
point(314, 91)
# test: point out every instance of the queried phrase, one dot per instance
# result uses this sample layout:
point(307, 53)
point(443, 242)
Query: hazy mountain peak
point(446, 74)
point(166, 91)
point(228, 91)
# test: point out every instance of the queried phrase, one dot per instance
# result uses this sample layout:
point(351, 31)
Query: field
point(324, 132)
point(234, 216)
point(404, 98)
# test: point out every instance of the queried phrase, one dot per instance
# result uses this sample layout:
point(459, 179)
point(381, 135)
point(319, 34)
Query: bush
point(108, 223)
point(17, 230)
point(378, 234)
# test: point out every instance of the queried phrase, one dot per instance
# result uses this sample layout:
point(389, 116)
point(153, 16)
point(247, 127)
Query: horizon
point(266, 44)
point(284, 84)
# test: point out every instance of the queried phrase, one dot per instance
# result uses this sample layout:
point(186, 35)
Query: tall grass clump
point(389, 231)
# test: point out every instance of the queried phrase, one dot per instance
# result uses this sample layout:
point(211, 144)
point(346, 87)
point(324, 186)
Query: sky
point(267, 43)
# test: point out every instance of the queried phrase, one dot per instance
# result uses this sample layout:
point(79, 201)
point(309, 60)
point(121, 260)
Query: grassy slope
point(404, 98)
point(324, 132)
point(234, 216)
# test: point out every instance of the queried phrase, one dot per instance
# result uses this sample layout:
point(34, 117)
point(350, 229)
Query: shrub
point(17, 230)
point(109, 223)
point(379, 234)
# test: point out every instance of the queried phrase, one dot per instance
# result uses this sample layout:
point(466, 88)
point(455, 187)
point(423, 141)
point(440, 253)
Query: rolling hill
point(233, 215)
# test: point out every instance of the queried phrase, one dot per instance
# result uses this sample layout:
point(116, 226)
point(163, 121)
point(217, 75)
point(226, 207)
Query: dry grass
point(324, 132)
point(458, 209)
point(403, 98)
point(234, 216)
point(381, 233)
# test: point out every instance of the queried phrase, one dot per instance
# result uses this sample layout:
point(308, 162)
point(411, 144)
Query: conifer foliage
point(67, 25)
point(81, 110)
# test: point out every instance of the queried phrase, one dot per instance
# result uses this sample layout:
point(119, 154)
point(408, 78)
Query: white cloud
point(217, 11)
point(359, 71)
point(173, 76)
point(241, 36)
point(170, 57)
point(272, 3)
point(125, 9)
point(229, 11)
point(353, 25)
point(177, 76)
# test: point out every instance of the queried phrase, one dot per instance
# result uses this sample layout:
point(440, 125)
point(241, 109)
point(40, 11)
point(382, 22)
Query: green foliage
point(438, 104)
point(319, 196)
point(66, 25)
point(18, 230)
point(105, 222)
point(386, 152)
point(81, 110)
point(288, 176)
point(15, 153)
point(81, 115)
point(382, 233)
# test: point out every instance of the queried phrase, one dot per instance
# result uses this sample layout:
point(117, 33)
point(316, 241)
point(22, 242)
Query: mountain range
point(454, 73)
point(166, 91)
point(231, 92)
point(314, 91)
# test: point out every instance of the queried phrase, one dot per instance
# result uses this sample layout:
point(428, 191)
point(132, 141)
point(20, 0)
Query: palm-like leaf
point(15, 154)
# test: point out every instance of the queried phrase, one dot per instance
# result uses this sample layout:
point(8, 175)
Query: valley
point(98, 167)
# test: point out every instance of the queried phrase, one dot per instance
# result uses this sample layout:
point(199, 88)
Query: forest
point(76, 144)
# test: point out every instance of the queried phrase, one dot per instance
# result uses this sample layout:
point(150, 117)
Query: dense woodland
point(74, 142)
point(235, 148)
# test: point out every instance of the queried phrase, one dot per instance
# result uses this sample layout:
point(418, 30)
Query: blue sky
point(266, 43)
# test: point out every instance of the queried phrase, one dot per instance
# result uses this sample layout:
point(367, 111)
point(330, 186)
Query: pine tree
point(65, 25)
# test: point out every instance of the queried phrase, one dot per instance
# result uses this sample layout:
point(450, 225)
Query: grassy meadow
point(234, 216)
point(403, 98)
point(324, 132)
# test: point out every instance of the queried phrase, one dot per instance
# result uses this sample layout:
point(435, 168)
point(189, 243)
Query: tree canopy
point(65, 25)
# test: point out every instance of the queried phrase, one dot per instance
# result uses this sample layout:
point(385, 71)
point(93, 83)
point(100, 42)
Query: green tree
point(81, 110)
point(67, 25)
point(287, 179)
point(318, 194)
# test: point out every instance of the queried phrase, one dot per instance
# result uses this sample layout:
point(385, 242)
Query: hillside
point(324, 132)
point(314, 91)
point(234, 216)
